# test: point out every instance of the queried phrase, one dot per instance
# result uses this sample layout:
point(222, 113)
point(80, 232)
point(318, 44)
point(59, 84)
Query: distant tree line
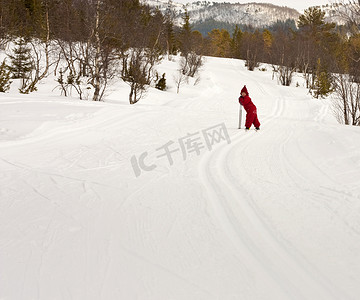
point(206, 26)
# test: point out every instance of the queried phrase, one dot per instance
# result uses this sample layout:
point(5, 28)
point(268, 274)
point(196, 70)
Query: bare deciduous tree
point(39, 49)
point(191, 63)
point(138, 70)
point(284, 73)
point(349, 10)
point(283, 58)
point(346, 103)
point(179, 80)
point(252, 49)
point(74, 74)
point(135, 73)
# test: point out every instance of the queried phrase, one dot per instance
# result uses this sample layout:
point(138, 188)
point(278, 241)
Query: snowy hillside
point(255, 14)
point(335, 13)
point(92, 206)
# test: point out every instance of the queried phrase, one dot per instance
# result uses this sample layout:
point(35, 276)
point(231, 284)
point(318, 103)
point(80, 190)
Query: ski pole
point(240, 115)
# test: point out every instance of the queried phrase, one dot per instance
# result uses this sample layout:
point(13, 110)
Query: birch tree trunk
point(97, 84)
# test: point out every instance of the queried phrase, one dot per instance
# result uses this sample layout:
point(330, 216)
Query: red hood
point(244, 89)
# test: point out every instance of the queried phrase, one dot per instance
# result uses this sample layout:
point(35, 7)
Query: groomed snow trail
point(237, 183)
point(272, 215)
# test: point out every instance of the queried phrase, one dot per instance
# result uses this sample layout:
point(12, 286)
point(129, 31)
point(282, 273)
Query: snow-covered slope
point(263, 215)
point(252, 13)
point(255, 14)
point(336, 13)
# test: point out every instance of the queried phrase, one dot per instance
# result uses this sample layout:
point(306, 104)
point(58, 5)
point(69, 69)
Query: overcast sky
point(300, 5)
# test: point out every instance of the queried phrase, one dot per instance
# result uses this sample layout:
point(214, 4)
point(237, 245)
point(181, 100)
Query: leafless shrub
point(346, 99)
point(180, 79)
point(138, 71)
point(191, 63)
point(284, 74)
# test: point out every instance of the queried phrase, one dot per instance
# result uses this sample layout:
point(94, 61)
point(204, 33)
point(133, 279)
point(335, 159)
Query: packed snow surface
point(92, 207)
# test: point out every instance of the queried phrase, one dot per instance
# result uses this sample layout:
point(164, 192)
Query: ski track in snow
point(241, 221)
point(245, 224)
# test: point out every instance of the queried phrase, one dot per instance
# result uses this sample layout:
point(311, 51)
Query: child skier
point(251, 114)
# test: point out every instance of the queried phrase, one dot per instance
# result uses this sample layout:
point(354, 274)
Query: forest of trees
point(100, 40)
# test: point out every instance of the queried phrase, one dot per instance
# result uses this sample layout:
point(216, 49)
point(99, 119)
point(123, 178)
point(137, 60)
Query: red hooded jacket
point(249, 106)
